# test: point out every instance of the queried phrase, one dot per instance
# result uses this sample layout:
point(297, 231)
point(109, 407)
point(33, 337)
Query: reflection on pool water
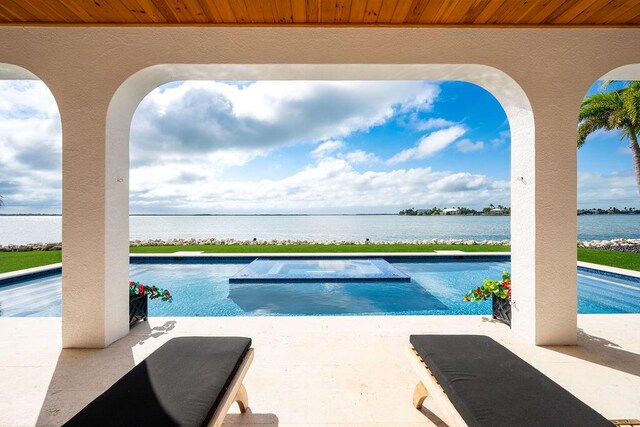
point(201, 288)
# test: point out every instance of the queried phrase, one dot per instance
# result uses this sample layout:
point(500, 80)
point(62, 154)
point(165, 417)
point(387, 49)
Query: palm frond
point(631, 103)
point(601, 111)
point(600, 104)
point(619, 120)
point(586, 128)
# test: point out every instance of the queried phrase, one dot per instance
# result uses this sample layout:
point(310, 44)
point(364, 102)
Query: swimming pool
point(201, 287)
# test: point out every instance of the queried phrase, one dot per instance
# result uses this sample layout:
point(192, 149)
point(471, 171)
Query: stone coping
point(197, 254)
point(34, 271)
point(609, 269)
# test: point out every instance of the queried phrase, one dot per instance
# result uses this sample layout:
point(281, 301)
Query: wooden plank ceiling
point(526, 13)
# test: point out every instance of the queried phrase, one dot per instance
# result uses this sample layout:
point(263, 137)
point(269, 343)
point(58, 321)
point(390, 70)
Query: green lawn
point(612, 258)
point(11, 261)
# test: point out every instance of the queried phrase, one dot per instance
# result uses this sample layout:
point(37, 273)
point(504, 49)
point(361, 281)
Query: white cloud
point(438, 141)
point(327, 147)
point(463, 181)
point(198, 117)
point(611, 189)
point(432, 123)
point(26, 98)
point(332, 184)
point(360, 157)
point(429, 144)
point(503, 138)
point(30, 147)
point(403, 156)
point(467, 146)
point(184, 136)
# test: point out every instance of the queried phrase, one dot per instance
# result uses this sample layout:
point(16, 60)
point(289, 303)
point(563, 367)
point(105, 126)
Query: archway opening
point(30, 190)
point(609, 174)
point(321, 148)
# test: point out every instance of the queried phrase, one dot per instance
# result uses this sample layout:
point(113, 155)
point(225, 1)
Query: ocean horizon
point(22, 229)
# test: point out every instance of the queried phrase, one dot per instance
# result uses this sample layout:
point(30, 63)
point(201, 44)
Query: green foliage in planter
point(499, 288)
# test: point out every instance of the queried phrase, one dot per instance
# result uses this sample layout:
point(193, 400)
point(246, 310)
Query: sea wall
point(622, 245)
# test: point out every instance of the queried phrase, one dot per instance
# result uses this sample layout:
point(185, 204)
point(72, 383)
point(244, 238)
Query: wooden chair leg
point(420, 393)
point(242, 399)
point(626, 422)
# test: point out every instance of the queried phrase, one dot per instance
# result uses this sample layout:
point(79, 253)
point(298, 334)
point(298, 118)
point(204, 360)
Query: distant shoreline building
point(451, 211)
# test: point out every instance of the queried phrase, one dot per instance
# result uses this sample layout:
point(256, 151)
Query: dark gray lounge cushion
point(491, 386)
point(180, 384)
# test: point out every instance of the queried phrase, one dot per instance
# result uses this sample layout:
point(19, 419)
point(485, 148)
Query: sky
point(299, 147)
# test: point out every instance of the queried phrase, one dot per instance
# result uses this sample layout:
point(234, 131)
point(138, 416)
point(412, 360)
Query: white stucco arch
point(85, 66)
point(624, 72)
point(15, 72)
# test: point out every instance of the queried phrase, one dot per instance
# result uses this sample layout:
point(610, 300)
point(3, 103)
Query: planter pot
point(501, 309)
point(138, 309)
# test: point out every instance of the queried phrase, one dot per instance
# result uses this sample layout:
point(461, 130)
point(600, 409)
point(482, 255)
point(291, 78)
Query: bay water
point(45, 229)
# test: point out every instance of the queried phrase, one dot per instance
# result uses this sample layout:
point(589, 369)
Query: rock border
point(621, 245)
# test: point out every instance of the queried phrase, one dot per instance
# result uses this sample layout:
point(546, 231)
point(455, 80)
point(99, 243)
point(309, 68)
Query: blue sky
point(277, 147)
point(458, 103)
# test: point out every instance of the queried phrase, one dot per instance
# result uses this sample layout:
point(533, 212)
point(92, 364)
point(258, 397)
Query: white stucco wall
point(538, 75)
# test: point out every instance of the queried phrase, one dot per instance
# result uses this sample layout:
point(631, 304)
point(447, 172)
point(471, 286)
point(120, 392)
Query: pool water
point(202, 288)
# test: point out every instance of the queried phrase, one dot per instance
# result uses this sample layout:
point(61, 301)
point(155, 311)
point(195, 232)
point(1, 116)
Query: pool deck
point(311, 371)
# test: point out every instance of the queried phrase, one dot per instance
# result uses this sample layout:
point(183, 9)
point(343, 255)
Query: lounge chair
point(188, 381)
point(475, 381)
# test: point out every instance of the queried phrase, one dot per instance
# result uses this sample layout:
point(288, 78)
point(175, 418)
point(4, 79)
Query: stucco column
point(95, 223)
point(543, 221)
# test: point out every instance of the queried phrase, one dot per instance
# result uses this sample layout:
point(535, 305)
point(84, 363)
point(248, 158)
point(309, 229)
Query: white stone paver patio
point(310, 371)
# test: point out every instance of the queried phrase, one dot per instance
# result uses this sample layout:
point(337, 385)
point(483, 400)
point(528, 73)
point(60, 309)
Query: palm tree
point(615, 110)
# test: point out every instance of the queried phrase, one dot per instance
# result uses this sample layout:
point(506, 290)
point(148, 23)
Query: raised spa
point(313, 270)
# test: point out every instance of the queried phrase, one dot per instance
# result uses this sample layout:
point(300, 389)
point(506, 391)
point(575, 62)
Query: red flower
point(138, 289)
point(490, 288)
